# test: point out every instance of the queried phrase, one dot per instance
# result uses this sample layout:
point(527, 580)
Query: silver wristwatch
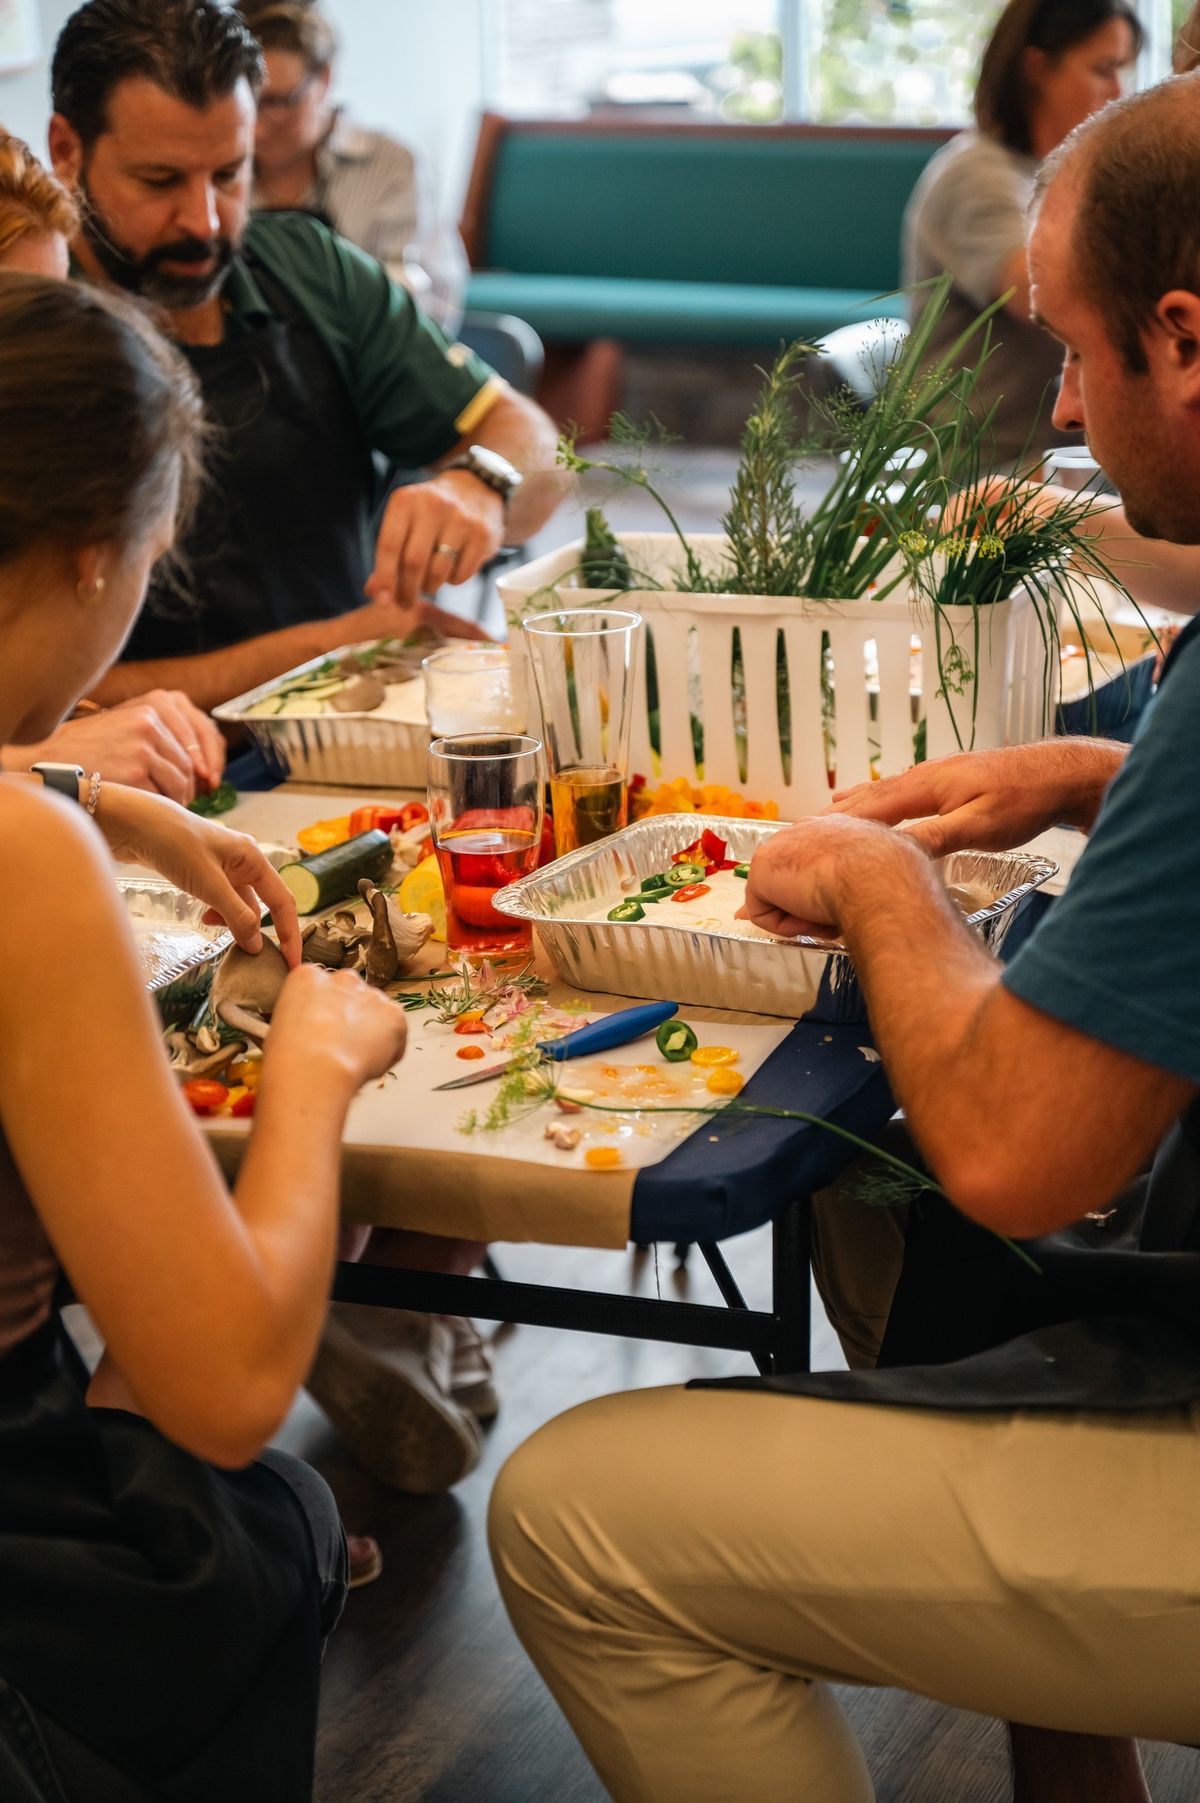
point(495, 471)
point(64, 779)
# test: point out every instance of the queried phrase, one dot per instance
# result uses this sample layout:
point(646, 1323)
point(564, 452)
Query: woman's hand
point(327, 1017)
point(224, 869)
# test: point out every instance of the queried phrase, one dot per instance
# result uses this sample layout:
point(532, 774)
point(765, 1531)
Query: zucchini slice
point(333, 875)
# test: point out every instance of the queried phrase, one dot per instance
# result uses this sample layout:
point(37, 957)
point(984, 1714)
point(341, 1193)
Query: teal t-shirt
point(1118, 955)
point(415, 393)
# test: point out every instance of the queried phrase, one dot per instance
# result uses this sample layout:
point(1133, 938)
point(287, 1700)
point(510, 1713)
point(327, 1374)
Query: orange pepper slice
point(471, 1051)
point(470, 1023)
point(602, 1158)
point(708, 1056)
point(726, 1083)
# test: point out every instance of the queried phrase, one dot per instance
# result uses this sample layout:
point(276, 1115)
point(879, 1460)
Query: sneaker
point(472, 1370)
point(364, 1559)
point(386, 1389)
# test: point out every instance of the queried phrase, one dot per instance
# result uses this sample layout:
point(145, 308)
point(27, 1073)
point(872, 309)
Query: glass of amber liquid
point(485, 809)
point(584, 665)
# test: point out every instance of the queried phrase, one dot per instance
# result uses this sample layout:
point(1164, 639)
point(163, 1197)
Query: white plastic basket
point(854, 709)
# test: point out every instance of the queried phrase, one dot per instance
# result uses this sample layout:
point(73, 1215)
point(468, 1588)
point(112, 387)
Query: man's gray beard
point(172, 293)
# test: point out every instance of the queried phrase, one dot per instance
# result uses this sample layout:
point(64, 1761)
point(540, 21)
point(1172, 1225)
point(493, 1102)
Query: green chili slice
point(680, 876)
point(651, 883)
point(742, 870)
point(676, 1041)
point(627, 910)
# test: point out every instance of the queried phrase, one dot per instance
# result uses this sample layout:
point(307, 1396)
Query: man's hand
point(435, 532)
point(991, 800)
point(810, 877)
point(159, 741)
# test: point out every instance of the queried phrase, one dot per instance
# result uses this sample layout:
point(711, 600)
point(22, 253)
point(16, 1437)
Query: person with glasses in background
point(366, 185)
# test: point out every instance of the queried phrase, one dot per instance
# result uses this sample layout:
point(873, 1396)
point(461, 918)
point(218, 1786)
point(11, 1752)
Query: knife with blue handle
point(615, 1029)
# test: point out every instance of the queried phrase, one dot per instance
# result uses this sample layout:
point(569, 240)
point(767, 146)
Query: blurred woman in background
point(1048, 65)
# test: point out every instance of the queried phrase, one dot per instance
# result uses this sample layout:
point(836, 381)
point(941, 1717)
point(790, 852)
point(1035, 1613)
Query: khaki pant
point(682, 1565)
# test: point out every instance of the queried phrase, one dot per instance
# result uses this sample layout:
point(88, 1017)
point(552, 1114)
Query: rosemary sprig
point(466, 992)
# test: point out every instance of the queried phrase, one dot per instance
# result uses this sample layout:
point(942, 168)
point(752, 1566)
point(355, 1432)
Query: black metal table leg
point(791, 1280)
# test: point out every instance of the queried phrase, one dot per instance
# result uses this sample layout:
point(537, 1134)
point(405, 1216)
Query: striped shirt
point(370, 189)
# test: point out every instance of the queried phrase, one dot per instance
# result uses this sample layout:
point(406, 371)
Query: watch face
point(494, 464)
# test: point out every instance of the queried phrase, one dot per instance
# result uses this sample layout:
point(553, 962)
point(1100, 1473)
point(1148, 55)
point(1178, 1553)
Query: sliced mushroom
point(189, 1063)
point(361, 696)
point(563, 1137)
point(323, 944)
point(410, 931)
point(246, 988)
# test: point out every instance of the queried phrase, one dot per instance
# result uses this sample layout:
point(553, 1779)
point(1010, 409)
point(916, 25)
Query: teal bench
point(688, 234)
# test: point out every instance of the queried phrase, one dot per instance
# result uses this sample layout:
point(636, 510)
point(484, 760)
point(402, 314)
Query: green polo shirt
point(415, 392)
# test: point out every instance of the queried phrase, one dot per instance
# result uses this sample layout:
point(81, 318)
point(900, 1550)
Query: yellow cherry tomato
point(725, 1083)
point(706, 1056)
point(602, 1158)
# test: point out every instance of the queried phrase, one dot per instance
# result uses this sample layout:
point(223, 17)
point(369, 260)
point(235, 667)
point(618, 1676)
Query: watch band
point(64, 779)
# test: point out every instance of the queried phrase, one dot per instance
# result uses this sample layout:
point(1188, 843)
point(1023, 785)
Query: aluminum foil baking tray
point(178, 950)
point(788, 977)
point(348, 750)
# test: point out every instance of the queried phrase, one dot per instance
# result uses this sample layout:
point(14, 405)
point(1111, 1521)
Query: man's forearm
point(927, 980)
point(520, 431)
point(211, 677)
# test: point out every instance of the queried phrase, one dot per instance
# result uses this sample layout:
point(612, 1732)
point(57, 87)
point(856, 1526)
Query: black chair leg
point(791, 1250)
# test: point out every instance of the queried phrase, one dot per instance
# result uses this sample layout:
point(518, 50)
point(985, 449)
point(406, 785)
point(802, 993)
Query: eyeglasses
point(285, 103)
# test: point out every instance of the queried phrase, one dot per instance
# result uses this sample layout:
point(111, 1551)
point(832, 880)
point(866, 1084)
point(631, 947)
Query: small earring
point(91, 591)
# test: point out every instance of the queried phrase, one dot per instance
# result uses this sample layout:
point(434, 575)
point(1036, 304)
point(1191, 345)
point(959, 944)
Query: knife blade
point(600, 1036)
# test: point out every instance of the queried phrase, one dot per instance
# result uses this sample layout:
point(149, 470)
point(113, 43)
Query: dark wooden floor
point(427, 1694)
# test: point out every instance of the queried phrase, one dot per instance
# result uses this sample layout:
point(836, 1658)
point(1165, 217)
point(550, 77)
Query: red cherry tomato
point(205, 1094)
point(244, 1106)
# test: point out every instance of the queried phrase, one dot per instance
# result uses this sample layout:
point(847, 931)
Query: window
point(905, 62)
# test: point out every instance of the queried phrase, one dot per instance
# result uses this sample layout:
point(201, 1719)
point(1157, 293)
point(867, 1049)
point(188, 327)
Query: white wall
point(413, 67)
point(25, 97)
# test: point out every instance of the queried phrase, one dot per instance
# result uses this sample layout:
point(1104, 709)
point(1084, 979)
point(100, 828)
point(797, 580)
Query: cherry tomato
point(709, 1056)
point(470, 1026)
point(725, 1082)
point(602, 1158)
point(692, 892)
point(244, 1106)
point(470, 1051)
point(205, 1094)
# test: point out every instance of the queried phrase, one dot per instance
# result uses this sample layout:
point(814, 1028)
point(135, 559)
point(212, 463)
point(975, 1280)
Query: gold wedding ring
point(447, 551)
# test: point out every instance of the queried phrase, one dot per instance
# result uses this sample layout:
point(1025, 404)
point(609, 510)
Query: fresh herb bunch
point(1005, 533)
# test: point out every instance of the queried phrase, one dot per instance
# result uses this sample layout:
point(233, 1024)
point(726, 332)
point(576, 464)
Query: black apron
point(282, 533)
point(1109, 1322)
point(161, 1619)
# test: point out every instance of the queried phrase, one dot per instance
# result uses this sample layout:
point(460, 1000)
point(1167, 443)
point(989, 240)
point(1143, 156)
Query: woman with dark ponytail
point(1048, 65)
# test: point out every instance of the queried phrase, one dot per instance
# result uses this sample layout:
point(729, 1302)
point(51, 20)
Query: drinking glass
point(584, 664)
point(469, 688)
point(485, 811)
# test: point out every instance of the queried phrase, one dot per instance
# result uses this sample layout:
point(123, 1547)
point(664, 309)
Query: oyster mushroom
point(381, 960)
point(246, 988)
point(410, 931)
point(361, 696)
point(189, 1063)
